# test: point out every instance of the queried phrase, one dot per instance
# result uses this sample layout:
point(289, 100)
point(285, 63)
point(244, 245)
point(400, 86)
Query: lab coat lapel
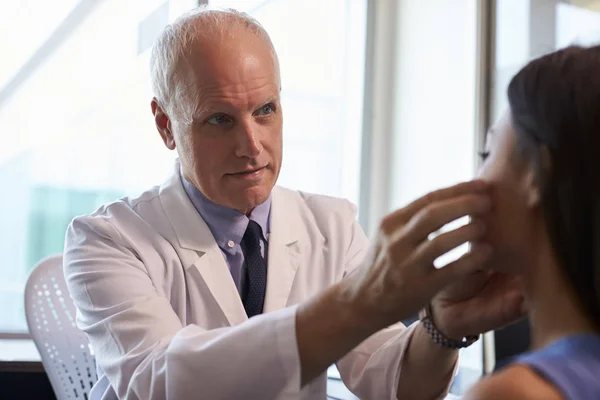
point(284, 248)
point(198, 249)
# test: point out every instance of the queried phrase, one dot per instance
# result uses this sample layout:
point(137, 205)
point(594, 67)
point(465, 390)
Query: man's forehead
point(229, 46)
point(231, 64)
point(256, 90)
point(251, 82)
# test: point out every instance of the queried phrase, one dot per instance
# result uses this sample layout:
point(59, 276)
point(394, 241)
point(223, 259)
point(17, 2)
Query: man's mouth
point(249, 172)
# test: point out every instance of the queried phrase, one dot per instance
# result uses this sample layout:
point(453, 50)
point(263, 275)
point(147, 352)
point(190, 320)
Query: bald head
point(197, 42)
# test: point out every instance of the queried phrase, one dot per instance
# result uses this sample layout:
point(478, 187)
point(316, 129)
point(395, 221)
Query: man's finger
point(406, 213)
point(464, 266)
point(430, 250)
point(436, 215)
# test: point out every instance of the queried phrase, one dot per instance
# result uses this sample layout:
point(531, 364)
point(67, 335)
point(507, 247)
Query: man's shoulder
point(125, 208)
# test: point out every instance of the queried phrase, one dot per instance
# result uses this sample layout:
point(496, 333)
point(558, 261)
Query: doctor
point(220, 285)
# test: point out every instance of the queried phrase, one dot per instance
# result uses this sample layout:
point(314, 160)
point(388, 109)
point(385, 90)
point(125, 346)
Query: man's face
point(230, 141)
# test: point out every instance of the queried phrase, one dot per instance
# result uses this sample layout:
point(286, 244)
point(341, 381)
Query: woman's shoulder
point(514, 382)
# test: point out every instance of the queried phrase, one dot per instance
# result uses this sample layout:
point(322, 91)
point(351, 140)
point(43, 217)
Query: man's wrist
point(363, 315)
point(438, 336)
point(430, 312)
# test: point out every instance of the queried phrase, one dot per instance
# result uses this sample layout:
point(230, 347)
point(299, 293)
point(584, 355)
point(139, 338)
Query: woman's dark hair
point(555, 108)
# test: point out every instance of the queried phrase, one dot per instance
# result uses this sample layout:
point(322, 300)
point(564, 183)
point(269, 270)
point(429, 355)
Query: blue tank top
point(571, 364)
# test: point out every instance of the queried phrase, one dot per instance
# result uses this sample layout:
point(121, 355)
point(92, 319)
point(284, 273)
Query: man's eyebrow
point(271, 99)
point(208, 110)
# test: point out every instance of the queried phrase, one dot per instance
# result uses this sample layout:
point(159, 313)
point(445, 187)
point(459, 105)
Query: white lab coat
point(156, 299)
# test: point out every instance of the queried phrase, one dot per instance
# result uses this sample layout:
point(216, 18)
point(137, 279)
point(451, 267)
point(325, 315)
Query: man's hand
point(398, 277)
point(482, 301)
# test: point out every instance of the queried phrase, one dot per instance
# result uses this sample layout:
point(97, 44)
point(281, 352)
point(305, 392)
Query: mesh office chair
point(66, 354)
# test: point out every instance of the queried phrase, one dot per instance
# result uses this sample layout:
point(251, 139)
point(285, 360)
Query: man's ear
point(163, 124)
point(534, 177)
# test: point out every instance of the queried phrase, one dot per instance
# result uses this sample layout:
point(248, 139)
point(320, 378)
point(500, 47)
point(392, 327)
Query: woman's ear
point(534, 177)
point(532, 188)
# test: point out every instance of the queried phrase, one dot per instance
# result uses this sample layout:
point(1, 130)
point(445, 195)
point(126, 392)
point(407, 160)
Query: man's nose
point(248, 142)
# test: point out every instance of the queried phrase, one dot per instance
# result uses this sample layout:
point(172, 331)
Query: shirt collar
point(227, 225)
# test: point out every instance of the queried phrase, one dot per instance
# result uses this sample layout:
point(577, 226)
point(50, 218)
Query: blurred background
point(384, 100)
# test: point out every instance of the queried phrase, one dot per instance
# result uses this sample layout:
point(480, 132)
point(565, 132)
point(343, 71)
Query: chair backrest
point(66, 354)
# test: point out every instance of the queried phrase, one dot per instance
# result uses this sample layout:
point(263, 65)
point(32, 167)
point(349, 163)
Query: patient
point(543, 161)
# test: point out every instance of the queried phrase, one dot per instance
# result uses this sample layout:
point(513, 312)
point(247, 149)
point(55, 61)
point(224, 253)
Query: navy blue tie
point(255, 271)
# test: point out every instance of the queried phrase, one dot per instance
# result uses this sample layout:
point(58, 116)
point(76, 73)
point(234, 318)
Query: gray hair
point(173, 45)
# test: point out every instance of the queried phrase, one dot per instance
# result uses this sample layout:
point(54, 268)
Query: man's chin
point(251, 197)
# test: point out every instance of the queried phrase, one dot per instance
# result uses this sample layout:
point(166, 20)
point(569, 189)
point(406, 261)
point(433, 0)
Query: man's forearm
point(426, 368)
point(327, 327)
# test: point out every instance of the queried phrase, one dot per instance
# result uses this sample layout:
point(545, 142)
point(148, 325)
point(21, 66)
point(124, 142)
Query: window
point(526, 29)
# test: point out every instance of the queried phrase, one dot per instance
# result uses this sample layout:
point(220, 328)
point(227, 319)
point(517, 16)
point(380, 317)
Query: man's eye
point(218, 119)
point(266, 109)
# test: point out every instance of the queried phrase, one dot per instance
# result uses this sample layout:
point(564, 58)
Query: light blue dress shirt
point(228, 227)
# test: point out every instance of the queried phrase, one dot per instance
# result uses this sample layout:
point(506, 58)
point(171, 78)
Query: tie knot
point(253, 234)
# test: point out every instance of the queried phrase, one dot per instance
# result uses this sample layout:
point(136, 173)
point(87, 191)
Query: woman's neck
point(554, 310)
